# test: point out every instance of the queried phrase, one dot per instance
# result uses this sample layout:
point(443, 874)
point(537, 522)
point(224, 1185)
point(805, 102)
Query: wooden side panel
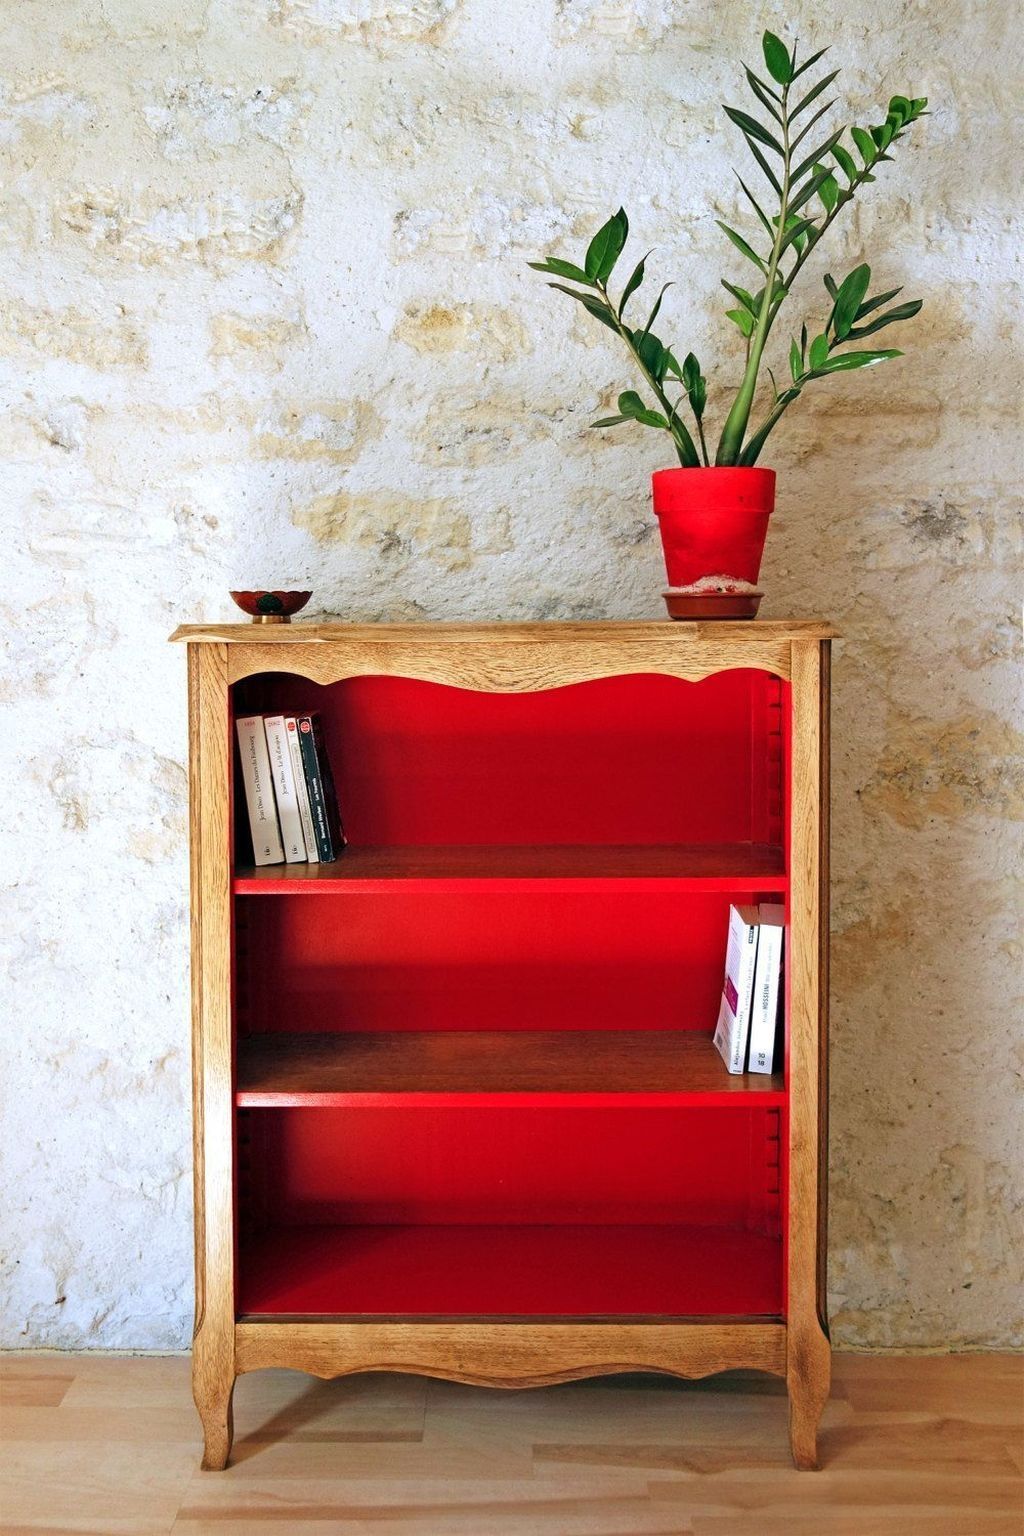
point(824, 926)
point(808, 1353)
point(213, 1363)
point(498, 1354)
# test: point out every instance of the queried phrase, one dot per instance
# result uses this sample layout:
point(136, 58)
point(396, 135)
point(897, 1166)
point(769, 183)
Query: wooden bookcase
point(457, 1110)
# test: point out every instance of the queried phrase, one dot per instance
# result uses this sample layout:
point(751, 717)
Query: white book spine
point(285, 790)
point(291, 731)
point(766, 993)
point(733, 1028)
point(259, 791)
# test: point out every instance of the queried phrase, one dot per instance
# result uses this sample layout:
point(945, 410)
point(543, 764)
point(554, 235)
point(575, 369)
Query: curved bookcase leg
point(808, 1379)
point(214, 1401)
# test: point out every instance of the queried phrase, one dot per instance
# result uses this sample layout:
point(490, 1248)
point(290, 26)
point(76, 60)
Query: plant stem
point(685, 446)
point(703, 444)
point(731, 441)
point(801, 256)
point(757, 439)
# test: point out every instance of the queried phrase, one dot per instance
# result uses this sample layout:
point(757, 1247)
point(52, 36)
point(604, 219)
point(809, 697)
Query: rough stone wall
point(266, 319)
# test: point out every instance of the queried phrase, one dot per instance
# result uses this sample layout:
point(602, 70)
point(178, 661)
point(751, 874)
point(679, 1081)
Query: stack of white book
point(747, 1032)
point(289, 790)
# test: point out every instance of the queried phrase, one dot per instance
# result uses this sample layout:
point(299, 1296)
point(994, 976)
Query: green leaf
point(766, 168)
point(636, 278)
point(865, 143)
point(654, 312)
point(845, 161)
point(819, 154)
point(819, 175)
point(606, 247)
point(593, 306)
point(849, 299)
point(765, 97)
point(830, 286)
point(809, 63)
point(752, 200)
point(746, 299)
point(901, 312)
point(819, 351)
point(672, 369)
point(795, 362)
point(741, 245)
point(795, 233)
point(633, 408)
point(610, 421)
point(561, 269)
point(653, 355)
point(743, 318)
point(842, 362)
point(900, 107)
point(691, 371)
point(776, 58)
point(813, 93)
point(753, 129)
point(877, 302)
point(805, 130)
point(695, 384)
point(827, 189)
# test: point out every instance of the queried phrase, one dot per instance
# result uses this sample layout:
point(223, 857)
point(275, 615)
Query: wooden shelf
point(733, 867)
point(551, 1271)
point(480, 1068)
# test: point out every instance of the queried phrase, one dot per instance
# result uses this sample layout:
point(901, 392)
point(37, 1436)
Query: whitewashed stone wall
point(266, 319)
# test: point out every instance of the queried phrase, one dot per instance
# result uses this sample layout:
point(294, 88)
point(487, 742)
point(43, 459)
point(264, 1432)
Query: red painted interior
point(483, 960)
point(556, 1206)
point(473, 1271)
point(640, 759)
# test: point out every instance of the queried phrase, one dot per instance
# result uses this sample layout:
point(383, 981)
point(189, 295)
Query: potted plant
point(714, 517)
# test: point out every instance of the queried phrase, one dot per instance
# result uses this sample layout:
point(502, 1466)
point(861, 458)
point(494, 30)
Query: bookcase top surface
point(618, 631)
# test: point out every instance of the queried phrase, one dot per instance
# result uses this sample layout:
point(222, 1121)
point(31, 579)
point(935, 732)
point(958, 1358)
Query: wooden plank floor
point(911, 1446)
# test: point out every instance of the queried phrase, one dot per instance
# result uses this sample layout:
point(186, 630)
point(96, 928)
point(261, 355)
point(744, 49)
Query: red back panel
point(638, 759)
point(532, 1166)
point(485, 959)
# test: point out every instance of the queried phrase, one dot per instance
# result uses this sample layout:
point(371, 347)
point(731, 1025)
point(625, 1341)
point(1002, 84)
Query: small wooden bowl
point(271, 607)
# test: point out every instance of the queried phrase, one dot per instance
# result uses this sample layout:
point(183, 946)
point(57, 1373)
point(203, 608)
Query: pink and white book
point(733, 1029)
point(282, 773)
point(267, 847)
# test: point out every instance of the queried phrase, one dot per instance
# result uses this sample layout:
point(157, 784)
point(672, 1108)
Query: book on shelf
point(285, 792)
point(291, 727)
point(733, 1029)
point(289, 789)
point(746, 1035)
point(259, 791)
point(764, 1054)
point(323, 802)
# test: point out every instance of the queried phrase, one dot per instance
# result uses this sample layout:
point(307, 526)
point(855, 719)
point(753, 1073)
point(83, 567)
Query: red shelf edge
point(754, 1098)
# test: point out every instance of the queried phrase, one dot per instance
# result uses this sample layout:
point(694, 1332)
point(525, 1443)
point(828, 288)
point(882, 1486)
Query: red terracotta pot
point(713, 527)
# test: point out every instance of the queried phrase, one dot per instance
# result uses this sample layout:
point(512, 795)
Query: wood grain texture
point(494, 666)
point(824, 947)
point(294, 1068)
point(511, 1354)
point(512, 659)
point(728, 865)
point(808, 1362)
point(212, 1026)
point(912, 1446)
point(616, 631)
